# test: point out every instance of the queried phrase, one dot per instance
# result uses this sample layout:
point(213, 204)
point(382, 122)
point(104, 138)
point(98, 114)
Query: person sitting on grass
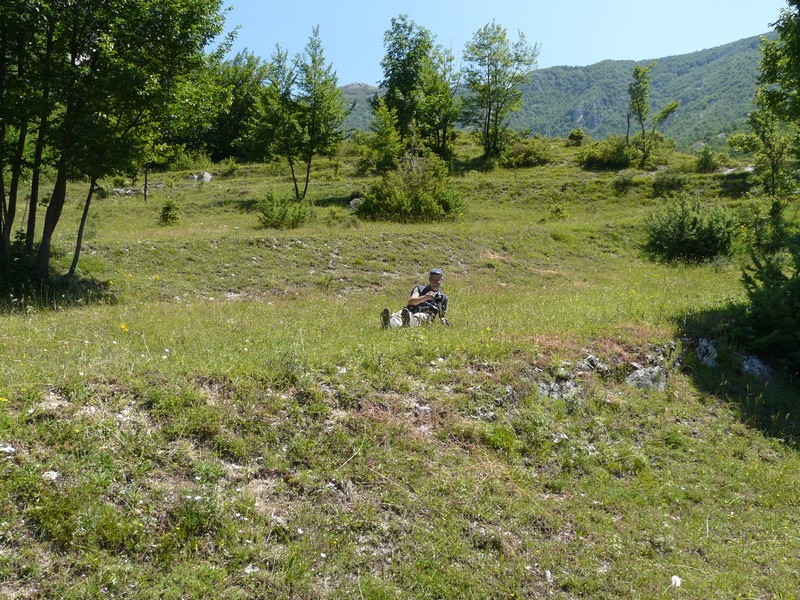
point(424, 306)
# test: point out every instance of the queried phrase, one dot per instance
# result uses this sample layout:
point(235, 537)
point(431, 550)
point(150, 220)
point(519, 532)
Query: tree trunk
point(30, 232)
point(13, 187)
point(85, 215)
point(308, 177)
point(51, 218)
point(146, 171)
point(36, 169)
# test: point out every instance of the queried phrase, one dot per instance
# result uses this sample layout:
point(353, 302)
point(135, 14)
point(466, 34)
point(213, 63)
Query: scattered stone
point(50, 475)
point(202, 176)
point(422, 411)
point(250, 569)
point(355, 202)
point(559, 390)
point(592, 363)
point(648, 378)
point(125, 192)
point(707, 352)
point(7, 448)
point(751, 365)
point(511, 395)
point(486, 414)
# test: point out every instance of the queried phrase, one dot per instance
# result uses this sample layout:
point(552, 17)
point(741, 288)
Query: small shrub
point(576, 137)
point(170, 212)
point(418, 189)
point(531, 152)
point(227, 167)
point(282, 213)
point(609, 154)
point(683, 230)
point(666, 183)
point(707, 161)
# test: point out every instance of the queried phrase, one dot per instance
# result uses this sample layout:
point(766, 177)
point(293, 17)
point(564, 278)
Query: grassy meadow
point(215, 411)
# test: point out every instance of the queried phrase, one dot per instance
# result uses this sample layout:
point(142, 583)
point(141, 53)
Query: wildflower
point(3, 399)
point(124, 327)
point(156, 277)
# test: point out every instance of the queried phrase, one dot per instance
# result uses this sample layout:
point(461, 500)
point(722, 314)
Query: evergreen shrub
point(684, 230)
point(417, 189)
point(530, 152)
point(281, 213)
point(170, 212)
point(609, 154)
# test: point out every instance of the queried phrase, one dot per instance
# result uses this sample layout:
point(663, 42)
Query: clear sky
point(568, 32)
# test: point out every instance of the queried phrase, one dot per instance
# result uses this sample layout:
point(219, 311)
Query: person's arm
point(416, 299)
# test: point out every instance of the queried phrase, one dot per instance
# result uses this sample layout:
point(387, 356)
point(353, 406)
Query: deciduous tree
point(494, 71)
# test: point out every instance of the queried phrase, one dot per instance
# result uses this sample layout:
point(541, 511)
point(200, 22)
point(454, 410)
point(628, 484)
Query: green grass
point(230, 421)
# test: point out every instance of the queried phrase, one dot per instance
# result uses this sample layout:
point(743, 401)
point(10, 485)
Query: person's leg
point(421, 318)
point(396, 320)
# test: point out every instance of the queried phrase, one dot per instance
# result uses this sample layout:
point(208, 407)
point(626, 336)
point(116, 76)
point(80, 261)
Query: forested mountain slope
point(714, 87)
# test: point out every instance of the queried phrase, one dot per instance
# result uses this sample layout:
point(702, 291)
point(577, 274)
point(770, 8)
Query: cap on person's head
point(438, 272)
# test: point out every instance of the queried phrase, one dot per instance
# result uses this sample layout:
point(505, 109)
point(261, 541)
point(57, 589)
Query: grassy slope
point(237, 425)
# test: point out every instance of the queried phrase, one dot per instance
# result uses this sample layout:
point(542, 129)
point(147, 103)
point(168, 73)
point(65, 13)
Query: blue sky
point(576, 32)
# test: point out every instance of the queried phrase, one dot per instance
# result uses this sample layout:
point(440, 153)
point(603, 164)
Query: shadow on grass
point(771, 407)
point(23, 290)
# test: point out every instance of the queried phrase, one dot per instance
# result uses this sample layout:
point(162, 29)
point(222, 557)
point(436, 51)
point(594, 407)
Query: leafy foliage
point(495, 70)
point(772, 283)
point(281, 213)
point(418, 189)
point(685, 230)
point(529, 152)
point(170, 212)
point(612, 153)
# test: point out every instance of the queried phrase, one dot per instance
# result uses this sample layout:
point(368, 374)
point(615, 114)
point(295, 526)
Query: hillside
point(714, 87)
point(215, 411)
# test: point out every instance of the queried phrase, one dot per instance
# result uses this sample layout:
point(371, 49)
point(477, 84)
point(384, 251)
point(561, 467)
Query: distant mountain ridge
point(714, 86)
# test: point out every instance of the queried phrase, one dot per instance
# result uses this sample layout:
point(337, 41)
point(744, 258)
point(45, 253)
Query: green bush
point(707, 161)
point(772, 283)
point(531, 152)
point(576, 137)
point(170, 212)
point(606, 155)
point(684, 230)
point(281, 213)
point(418, 189)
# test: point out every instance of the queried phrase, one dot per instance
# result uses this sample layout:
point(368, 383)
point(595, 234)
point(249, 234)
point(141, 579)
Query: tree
point(384, 143)
point(639, 94)
point(301, 112)
point(242, 78)
point(408, 46)
point(98, 73)
point(772, 282)
point(780, 66)
point(439, 104)
point(321, 106)
point(639, 109)
point(494, 71)
point(770, 141)
point(277, 132)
